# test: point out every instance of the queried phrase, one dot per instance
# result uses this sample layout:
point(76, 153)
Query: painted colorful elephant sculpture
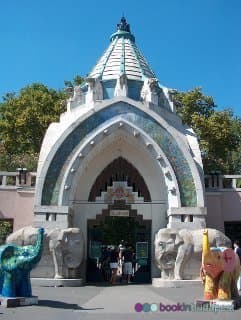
point(219, 271)
point(16, 262)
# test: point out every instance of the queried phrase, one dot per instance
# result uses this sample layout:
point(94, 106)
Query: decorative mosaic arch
point(138, 118)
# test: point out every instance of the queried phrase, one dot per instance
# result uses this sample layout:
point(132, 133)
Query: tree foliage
point(25, 118)
point(6, 227)
point(218, 132)
point(78, 80)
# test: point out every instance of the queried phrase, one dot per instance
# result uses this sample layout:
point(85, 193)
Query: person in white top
point(237, 249)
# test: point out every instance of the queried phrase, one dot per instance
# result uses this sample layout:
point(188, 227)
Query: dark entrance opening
point(233, 230)
point(118, 224)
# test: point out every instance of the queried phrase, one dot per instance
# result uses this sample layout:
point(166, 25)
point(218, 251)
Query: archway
point(120, 170)
point(119, 184)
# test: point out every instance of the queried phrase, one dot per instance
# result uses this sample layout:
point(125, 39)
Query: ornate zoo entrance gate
point(117, 225)
point(119, 186)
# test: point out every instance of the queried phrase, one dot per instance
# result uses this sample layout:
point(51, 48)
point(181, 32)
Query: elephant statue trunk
point(16, 262)
point(210, 288)
point(206, 246)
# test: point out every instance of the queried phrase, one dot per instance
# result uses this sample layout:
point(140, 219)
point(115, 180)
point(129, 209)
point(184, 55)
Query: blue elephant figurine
point(16, 262)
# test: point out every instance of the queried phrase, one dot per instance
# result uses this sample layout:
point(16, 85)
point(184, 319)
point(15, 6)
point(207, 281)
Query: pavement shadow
point(62, 305)
point(119, 284)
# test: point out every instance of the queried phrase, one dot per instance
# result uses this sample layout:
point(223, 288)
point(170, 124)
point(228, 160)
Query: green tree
point(25, 118)
point(78, 80)
point(193, 104)
point(6, 227)
point(218, 132)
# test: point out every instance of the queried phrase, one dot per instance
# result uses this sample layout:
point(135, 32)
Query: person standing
point(128, 259)
point(114, 260)
point(105, 261)
point(122, 247)
point(237, 249)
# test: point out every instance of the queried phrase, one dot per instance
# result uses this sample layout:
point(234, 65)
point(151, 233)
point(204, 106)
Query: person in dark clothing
point(105, 261)
point(237, 249)
point(114, 260)
point(127, 255)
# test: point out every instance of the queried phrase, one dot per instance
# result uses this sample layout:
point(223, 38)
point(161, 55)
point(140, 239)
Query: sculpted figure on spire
point(123, 25)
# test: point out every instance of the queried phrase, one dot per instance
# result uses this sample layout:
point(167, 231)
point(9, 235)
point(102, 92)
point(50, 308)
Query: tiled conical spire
point(122, 57)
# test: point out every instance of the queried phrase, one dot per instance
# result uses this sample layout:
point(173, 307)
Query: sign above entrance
point(119, 213)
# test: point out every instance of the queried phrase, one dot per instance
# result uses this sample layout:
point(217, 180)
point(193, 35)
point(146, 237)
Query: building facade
point(119, 164)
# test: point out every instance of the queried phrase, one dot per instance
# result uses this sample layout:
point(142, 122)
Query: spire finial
point(123, 31)
point(123, 25)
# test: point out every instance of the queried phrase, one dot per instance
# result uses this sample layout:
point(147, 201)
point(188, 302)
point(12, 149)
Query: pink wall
point(214, 210)
point(231, 206)
point(223, 206)
point(17, 205)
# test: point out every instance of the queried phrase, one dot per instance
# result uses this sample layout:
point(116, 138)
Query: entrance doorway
point(118, 226)
point(233, 230)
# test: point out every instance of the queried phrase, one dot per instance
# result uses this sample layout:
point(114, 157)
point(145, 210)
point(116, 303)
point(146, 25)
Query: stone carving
point(219, 271)
point(118, 191)
point(178, 252)
point(90, 92)
point(95, 90)
point(63, 250)
point(121, 88)
point(170, 94)
point(98, 94)
point(16, 262)
point(78, 96)
point(66, 246)
point(150, 91)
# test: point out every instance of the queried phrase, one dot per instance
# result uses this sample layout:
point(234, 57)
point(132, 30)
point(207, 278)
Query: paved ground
point(111, 302)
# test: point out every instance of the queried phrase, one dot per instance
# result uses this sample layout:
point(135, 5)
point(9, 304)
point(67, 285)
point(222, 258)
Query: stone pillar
point(51, 217)
point(187, 217)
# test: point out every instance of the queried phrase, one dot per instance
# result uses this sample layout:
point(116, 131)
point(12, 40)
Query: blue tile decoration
point(108, 89)
point(134, 89)
point(140, 119)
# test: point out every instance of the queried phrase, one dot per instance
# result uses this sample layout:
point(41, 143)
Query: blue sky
point(187, 43)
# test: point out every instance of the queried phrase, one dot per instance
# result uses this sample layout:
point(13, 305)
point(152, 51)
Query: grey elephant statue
point(178, 252)
point(63, 250)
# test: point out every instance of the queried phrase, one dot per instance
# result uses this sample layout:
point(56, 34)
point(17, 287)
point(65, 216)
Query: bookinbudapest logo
point(179, 307)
